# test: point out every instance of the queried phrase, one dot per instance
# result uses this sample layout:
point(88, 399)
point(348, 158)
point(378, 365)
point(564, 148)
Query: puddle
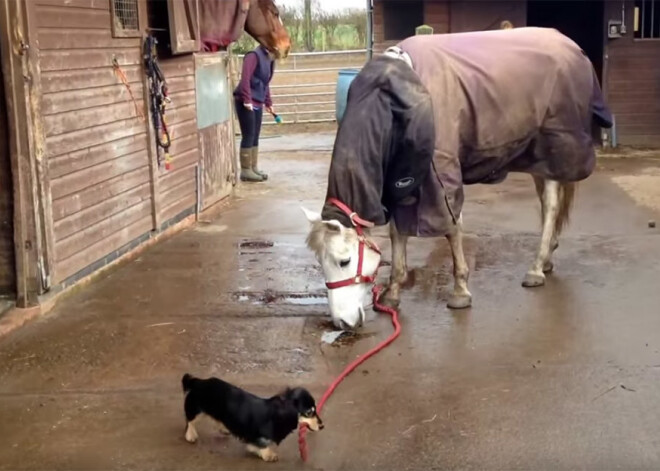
point(344, 339)
point(276, 297)
point(256, 244)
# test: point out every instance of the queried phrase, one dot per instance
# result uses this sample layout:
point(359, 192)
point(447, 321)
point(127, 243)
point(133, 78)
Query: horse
point(222, 22)
point(437, 112)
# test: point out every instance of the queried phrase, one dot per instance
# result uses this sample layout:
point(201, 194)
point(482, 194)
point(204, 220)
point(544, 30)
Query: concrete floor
point(561, 377)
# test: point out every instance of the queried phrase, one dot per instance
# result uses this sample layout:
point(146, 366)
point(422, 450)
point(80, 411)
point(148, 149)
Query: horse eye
point(344, 263)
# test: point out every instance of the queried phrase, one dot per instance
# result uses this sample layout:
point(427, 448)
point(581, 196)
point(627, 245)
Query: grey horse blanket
point(474, 107)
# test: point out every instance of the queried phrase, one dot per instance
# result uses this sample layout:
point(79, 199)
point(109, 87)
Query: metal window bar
point(306, 75)
point(126, 14)
point(652, 17)
point(647, 24)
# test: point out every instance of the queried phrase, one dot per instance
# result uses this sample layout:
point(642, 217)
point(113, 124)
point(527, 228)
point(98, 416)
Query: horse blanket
point(474, 107)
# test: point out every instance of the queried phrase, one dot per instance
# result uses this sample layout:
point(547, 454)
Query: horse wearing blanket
point(435, 113)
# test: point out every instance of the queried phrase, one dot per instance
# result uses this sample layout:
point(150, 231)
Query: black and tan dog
point(261, 423)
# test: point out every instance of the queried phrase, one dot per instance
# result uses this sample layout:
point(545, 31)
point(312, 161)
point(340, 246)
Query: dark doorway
point(582, 21)
point(7, 260)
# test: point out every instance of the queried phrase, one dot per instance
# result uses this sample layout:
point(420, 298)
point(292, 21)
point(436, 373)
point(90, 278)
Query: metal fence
point(303, 87)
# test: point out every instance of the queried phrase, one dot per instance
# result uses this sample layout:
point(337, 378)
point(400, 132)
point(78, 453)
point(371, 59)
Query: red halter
point(358, 223)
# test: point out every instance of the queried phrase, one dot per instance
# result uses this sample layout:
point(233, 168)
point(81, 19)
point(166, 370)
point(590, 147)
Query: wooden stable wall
point(96, 145)
point(632, 82)
point(104, 193)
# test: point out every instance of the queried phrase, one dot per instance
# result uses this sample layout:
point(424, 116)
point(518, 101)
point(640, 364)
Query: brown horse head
point(263, 23)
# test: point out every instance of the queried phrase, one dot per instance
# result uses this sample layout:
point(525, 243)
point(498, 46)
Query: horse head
point(349, 260)
point(263, 23)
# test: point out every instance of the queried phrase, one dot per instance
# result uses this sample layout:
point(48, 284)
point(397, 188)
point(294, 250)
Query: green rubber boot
point(255, 159)
point(247, 174)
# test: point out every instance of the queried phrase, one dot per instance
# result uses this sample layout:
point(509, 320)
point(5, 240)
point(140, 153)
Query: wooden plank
point(96, 194)
point(181, 99)
point(78, 38)
point(104, 210)
point(185, 159)
point(91, 176)
point(642, 86)
point(77, 120)
point(179, 175)
point(65, 17)
point(84, 258)
point(95, 4)
point(75, 161)
point(93, 136)
point(178, 66)
point(46, 240)
point(62, 102)
point(60, 81)
point(79, 241)
point(25, 183)
point(177, 208)
point(181, 84)
point(179, 192)
point(84, 59)
point(184, 113)
point(184, 128)
point(183, 144)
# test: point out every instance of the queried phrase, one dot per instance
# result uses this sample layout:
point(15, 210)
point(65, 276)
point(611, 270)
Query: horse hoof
point(548, 267)
point(459, 301)
point(532, 280)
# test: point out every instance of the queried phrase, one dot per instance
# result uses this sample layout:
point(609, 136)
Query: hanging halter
point(359, 224)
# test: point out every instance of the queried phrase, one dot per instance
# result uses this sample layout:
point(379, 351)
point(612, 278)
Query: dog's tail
point(187, 382)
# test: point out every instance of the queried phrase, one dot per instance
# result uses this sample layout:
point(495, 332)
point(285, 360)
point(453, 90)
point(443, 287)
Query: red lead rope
point(302, 430)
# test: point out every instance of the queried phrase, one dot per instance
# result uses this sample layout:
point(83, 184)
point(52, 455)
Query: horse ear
point(334, 225)
point(312, 216)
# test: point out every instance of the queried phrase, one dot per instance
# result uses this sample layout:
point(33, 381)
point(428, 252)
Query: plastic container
point(344, 80)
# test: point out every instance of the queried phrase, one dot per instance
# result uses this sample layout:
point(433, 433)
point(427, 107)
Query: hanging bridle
point(359, 224)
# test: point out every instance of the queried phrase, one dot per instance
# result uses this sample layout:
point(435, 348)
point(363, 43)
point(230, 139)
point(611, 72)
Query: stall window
point(127, 18)
point(647, 19)
point(400, 18)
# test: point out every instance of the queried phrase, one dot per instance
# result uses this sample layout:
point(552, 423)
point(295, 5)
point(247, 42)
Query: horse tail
point(566, 197)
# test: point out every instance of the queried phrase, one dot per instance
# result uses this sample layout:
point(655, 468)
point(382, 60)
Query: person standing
point(251, 96)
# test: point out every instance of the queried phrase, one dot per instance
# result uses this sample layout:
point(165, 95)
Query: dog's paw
point(268, 455)
point(191, 434)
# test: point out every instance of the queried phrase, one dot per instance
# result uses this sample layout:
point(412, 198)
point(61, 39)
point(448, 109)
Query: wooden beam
point(37, 141)
point(154, 170)
point(13, 48)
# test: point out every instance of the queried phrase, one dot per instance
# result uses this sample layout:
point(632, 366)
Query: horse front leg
point(399, 273)
point(461, 297)
point(549, 194)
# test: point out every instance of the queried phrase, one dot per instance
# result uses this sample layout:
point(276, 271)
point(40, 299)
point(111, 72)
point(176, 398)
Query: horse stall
point(621, 37)
point(92, 182)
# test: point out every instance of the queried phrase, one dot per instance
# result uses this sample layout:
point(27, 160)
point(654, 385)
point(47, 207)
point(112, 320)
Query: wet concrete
point(560, 377)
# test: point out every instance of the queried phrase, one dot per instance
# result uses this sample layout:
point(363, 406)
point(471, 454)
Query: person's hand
point(248, 106)
point(270, 109)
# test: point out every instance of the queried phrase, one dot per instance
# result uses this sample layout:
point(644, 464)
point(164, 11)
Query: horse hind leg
point(556, 200)
point(461, 297)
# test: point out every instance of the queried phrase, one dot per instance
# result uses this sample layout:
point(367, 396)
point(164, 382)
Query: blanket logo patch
point(404, 182)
